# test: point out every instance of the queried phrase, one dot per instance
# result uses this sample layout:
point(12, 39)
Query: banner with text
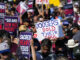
point(49, 29)
point(2, 10)
point(24, 43)
point(10, 24)
point(42, 1)
point(68, 10)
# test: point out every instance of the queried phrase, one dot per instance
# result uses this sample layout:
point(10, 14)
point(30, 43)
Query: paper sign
point(42, 1)
point(10, 24)
point(2, 10)
point(68, 10)
point(49, 29)
point(24, 44)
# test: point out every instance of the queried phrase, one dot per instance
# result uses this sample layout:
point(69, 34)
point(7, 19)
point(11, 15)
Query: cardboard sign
point(68, 10)
point(42, 1)
point(2, 10)
point(49, 29)
point(24, 44)
point(10, 24)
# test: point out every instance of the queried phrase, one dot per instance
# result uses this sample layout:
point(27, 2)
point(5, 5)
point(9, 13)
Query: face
point(12, 13)
point(35, 19)
point(44, 49)
point(74, 30)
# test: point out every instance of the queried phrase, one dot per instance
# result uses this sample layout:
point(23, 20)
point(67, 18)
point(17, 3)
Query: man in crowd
point(45, 53)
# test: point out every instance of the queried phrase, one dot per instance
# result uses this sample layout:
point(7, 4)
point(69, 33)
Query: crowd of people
point(63, 48)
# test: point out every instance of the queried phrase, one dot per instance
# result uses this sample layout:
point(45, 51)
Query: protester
point(45, 53)
point(54, 30)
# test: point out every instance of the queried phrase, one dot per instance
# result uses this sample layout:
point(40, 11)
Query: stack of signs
point(42, 1)
point(68, 10)
point(10, 24)
point(49, 29)
point(24, 44)
point(2, 10)
point(1, 24)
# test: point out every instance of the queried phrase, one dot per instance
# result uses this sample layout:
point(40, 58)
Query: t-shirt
point(77, 36)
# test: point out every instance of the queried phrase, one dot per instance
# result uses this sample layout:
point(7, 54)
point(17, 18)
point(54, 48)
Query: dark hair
point(46, 42)
point(5, 36)
point(75, 26)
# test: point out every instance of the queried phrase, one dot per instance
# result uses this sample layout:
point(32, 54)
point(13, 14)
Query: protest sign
point(22, 7)
point(10, 24)
point(49, 29)
point(2, 10)
point(42, 1)
point(68, 10)
point(24, 44)
point(1, 27)
point(55, 2)
point(69, 1)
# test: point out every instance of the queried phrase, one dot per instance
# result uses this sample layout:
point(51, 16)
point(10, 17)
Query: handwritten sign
point(42, 1)
point(68, 10)
point(10, 24)
point(49, 29)
point(24, 43)
point(2, 10)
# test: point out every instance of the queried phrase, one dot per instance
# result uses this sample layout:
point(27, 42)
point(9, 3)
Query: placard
point(24, 44)
point(2, 10)
point(22, 7)
point(68, 10)
point(10, 24)
point(49, 29)
point(42, 1)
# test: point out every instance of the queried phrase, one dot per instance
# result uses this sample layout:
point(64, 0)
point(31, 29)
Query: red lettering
point(2, 11)
point(24, 42)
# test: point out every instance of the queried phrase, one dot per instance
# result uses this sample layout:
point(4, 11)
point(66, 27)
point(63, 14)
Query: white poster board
point(49, 29)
